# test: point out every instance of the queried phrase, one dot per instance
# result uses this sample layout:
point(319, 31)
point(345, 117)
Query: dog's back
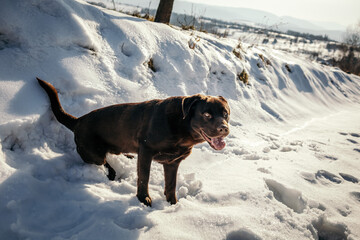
point(120, 126)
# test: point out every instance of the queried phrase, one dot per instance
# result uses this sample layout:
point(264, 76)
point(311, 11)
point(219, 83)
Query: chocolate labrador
point(161, 130)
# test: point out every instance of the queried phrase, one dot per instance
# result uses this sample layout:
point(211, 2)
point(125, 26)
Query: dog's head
point(209, 117)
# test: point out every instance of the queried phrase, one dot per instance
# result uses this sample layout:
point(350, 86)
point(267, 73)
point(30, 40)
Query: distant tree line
point(308, 36)
point(352, 35)
point(350, 60)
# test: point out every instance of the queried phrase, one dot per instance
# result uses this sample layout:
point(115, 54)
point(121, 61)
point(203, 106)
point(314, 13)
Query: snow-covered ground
point(290, 169)
point(319, 50)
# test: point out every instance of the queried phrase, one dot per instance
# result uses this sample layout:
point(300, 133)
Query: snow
point(289, 169)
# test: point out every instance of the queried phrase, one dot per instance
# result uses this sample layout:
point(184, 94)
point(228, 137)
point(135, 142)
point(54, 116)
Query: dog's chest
point(172, 155)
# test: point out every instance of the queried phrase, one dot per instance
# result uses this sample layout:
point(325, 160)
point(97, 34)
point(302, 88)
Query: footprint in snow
point(357, 150)
point(325, 157)
point(349, 178)
point(266, 150)
point(253, 156)
point(314, 147)
point(286, 149)
point(269, 138)
point(355, 134)
point(310, 177)
point(331, 157)
point(235, 123)
point(352, 141)
point(275, 146)
point(344, 210)
point(355, 195)
point(244, 234)
point(321, 174)
point(323, 229)
point(296, 143)
point(292, 198)
point(292, 147)
point(264, 170)
point(240, 151)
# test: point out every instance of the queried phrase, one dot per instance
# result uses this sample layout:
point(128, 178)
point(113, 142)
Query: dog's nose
point(223, 129)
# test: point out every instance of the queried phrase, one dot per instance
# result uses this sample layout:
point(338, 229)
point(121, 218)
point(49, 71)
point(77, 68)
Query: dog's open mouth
point(216, 143)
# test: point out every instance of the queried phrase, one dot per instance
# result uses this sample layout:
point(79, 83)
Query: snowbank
point(294, 132)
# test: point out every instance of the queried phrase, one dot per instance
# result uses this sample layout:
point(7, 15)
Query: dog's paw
point(111, 176)
point(145, 199)
point(171, 198)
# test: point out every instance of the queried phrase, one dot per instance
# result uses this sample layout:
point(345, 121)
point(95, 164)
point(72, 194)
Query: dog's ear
point(222, 98)
point(226, 103)
point(188, 103)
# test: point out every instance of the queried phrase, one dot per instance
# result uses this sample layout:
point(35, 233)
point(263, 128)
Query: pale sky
point(344, 12)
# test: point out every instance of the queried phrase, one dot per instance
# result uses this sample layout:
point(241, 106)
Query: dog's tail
point(64, 118)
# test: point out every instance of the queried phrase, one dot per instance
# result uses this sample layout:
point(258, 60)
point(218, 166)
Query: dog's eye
point(207, 115)
point(226, 114)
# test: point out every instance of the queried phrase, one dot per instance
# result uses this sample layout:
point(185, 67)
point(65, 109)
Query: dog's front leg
point(170, 172)
point(143, 170)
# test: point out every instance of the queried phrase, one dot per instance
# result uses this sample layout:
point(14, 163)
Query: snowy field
point(290, 169)
point(319, 50)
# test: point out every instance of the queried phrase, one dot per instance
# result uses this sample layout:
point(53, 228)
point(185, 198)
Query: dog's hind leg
point(93, 150)
point(98, 158)
point(91, 156)
point(111, 172)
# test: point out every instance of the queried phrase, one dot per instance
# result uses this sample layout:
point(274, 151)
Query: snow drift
point(293, 127)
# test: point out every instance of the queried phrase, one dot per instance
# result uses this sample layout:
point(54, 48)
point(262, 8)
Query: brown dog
point(160, 130)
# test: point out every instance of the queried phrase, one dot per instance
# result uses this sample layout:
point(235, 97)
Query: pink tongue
point(218, 143)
